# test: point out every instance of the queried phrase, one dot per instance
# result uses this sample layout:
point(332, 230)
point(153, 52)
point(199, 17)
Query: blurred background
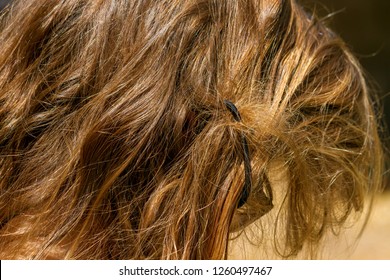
point(365, 26)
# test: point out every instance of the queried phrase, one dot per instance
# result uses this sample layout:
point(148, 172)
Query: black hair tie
point(247, 161)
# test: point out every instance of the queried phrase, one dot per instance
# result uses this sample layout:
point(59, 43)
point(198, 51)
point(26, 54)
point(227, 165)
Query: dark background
point(365, 26)
point(3, 3)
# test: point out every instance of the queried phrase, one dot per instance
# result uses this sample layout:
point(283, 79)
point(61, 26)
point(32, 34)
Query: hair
point(116, 142)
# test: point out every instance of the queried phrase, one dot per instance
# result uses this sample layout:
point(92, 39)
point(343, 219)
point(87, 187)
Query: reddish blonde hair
point(116, 142)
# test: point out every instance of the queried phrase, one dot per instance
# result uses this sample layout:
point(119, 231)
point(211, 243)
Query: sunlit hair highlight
point(115, 142)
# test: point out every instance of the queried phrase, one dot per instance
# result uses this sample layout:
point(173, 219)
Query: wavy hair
point(116, 142)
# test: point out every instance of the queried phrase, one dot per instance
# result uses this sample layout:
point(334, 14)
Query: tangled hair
point(116, 143)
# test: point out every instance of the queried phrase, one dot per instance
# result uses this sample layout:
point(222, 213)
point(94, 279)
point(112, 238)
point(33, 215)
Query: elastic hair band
point(247, 161)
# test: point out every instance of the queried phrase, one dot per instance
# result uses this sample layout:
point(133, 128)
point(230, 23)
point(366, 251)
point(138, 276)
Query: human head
point(116, 141)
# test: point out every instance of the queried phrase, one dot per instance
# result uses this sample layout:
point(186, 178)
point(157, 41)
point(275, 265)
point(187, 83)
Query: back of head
point(115, 139)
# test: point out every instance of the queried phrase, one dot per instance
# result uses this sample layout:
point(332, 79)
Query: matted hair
point(115, 141)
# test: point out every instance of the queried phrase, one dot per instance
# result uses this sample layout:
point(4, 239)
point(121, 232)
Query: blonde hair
point(116, 142)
